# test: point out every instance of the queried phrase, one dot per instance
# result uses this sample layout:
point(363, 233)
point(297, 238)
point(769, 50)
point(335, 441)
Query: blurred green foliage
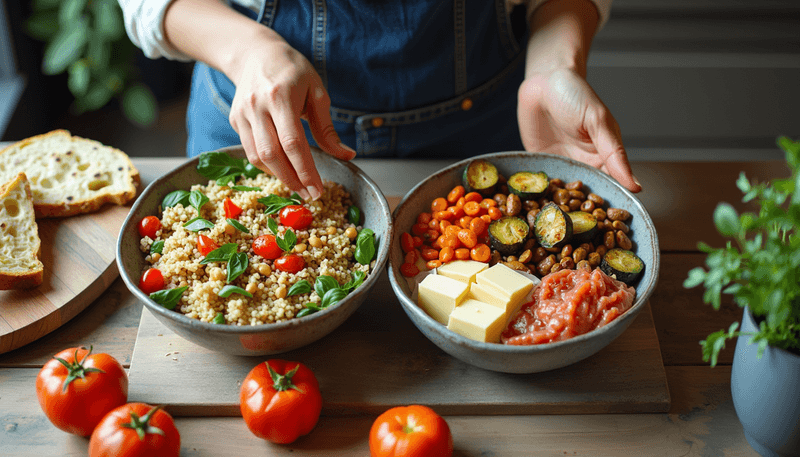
point(86, 38)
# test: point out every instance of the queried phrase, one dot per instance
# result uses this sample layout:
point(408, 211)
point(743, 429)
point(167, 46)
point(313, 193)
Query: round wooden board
point(78, 254)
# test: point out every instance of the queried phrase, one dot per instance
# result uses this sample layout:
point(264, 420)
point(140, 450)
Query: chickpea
point(609, 240)
point(331, 230)
point(314, 241)
point(618, 214)
point(621, 226)
point(264, 269)
point(574, 204)
point(351, 233)
point(545, 265)
point(251, 288)
point(623, 241)
point(230, 230)
point(526, 256)
point(155, 257)
point(300, 248)
point(579, 254)
point(513, 205)
point(281, 291)
point(599, 214)
point(217, 274)
point(587, 206)
point(596, 199)
point(594, 259)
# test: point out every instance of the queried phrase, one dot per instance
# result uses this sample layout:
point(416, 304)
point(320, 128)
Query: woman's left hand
point(559, 113)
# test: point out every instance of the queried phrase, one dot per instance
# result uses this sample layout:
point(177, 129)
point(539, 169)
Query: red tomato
point(297, 217)
point(290, 263)
point(148, 226)
point(280, 401)
point(136, 430)
point(205, 244)
point(77, 388)
point(231, 210)
point(267, 247)
point(151, 281)
point(410, 431)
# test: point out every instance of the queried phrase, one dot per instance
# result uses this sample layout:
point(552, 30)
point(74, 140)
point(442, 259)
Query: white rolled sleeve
point(603, 8)
point(144, 23)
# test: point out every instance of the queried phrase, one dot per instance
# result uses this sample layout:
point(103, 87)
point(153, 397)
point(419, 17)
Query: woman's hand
point(559, 113)
point(275, 87)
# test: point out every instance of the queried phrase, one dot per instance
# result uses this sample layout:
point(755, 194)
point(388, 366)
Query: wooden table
point(679, 196)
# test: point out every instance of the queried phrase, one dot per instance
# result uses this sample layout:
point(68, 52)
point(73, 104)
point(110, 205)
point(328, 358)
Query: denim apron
point(425, 79)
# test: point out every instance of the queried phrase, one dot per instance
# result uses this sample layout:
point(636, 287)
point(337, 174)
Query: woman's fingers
point(293, 142)
point(607, 140)
point(319, 121)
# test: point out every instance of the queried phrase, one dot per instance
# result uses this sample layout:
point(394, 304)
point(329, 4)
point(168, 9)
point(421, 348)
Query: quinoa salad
point(263, 292)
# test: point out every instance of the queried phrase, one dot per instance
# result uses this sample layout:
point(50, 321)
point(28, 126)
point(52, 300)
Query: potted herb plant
point(761, 269)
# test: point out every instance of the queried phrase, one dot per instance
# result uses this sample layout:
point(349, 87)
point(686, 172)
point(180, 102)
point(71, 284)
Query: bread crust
point(32, 278)
point(71, 208)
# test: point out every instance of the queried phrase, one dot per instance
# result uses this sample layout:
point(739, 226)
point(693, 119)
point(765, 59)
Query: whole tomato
point(290, 263)
point(148, 226)
point(280, 401)
point(410, 431)
point(151, 281)
point(136, 430)
point(77, 388)
point(297, 217)
point(267, 247)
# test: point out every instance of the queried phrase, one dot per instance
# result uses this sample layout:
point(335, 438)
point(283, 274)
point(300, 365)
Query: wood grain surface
point(78, 254)
point(378, 359)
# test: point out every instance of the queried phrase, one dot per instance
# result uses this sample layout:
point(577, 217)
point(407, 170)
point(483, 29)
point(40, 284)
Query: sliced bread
point(70, 175)
point(20, 267)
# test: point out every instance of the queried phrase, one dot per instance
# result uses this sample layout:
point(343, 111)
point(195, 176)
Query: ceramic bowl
point(537, 358)
point(260, 339)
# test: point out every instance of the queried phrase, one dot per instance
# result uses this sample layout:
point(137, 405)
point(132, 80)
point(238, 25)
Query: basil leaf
point(325, 283)
point(168, 298)
point(365, 247)
point(332, 297)
point(197, 224)
point(275, 203)
point(355, 280)
point(299, 288)
point(247, 189)
point(237, 265)
point(230, 289)
point(226, 180)
point(174, 198)
point(197, 199)
point(237, 225)
point(217, 164)
point(295, 197)
point(221, 254)
point(310, 308)
point(251, 171)
point(272, 225)
point(290, 238)
point(157, 247)
point(219, 319)
point(354, 215)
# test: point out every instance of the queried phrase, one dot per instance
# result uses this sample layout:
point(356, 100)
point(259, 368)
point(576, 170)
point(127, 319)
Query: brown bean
point(574, 185)
point(584, 265)
point(513, 204)
point(566, 251)
point(557, 182)
point(539, 254)
point(564, 208)
point(495, 258)
point(587, 206)
point(588, 247)
point(567, 263)
point(594, 259)
point(574, 204)
point(542, 201)
point(618, 214)
point(601, 250)
point(516, 265)
point(623, 241)
point(621, 226)
point(526, 256)
point(500, 199)
point(577, 194)
point(599, 214)
point(529, 205)
point(545, 265)
point(561, 196)
point(503, 187)
point(553, 250)
point(529, 245)
point(579, 254)
point(596, 199)
point(609, 241)
point(531, 217)
point(511, 258)
point(556, 267)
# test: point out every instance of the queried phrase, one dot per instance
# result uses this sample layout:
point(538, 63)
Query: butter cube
point(462, 270)
point(438, 295)
point(505, 281)
point(478, 321)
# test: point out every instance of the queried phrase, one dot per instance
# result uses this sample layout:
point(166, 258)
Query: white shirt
point(144, 22)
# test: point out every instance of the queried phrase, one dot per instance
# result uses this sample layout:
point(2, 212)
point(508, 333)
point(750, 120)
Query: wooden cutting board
point(377, 359)
point(78, 254)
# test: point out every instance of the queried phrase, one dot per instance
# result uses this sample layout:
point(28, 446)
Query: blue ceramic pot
point(766, 395)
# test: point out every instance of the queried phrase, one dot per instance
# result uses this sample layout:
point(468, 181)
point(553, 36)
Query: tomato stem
point(142, 426)
point(76, 368)
point(282, 382)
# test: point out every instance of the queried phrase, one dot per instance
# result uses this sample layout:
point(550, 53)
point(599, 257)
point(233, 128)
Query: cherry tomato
point(136, 430)
point(148, 227)
point(407, 242)
point(409, 270)
point(410, 431)
point(77, 388)
point(480, 253)
point(205, 244)
point(151, 281)
point(280, 401)
point(455, 194)
point(290, 263)
point(267, 247)
point(231, 210)
point(297, 217)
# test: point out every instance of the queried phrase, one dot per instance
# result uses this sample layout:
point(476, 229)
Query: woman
point(427, 78)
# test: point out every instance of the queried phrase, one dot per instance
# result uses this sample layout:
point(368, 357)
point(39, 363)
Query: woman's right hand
point(276, 86)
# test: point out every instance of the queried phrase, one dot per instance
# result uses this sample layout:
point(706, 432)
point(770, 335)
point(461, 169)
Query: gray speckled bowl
point(269, 338)
point(525, 359)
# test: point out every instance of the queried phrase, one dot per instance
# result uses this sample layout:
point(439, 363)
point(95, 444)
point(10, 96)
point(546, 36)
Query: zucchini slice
point(584, 226)
point(623, 265)
point(552, 227)
point(480, 176)
point(508, 234)
point(529, 185)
